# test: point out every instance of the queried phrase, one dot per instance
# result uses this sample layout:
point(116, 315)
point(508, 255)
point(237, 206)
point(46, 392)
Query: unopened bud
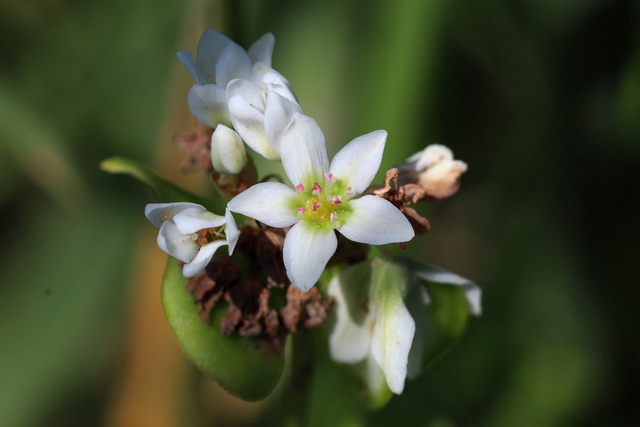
point(434, 169)
point(228, 154)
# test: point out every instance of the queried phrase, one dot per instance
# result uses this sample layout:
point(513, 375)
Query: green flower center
point(323, 207)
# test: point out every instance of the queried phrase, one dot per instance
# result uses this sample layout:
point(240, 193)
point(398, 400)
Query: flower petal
point(375, 221)
point(249, 123)
point(262, 50)
point(306, 252)
point(190, 64)
point(358, 162)
point(277, 117)
point(176, 244)
point(268, 202)
point(234, 63)
point(275, 82)
point(211, 45)
point(392, 336)
point(202, 258)
point(232, 232)
point(157, 213)
point(351, 335)
point(228, 154)
point(191, 220)
point(303, 151)
point(431, 273)
point(208, 104)
point(249, 91)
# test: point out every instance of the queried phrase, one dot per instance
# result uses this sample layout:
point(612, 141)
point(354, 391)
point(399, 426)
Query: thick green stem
point(297, 396)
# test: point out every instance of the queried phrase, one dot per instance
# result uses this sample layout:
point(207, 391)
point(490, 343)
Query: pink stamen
point(301, 210)
point(348, 192)
point(300, 187)
point(328, 176)
point(336, 200)
point(316, 206)
point(202, 240)
point(316, 190)
point(334, 217)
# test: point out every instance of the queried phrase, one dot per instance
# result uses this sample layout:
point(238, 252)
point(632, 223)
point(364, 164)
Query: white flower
point(373, 323)
point(219, 60)
point(324, 200)
point(227, 151)
point(192, 234)
point(261, 108)
point(433, 169)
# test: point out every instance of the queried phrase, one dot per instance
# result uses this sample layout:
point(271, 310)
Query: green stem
point(297, 395)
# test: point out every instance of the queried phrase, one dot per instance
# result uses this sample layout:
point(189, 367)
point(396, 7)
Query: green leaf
point(241, 365)
point(164, 191)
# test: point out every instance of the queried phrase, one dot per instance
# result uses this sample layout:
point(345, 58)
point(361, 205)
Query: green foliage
point(165, 192)
point(241, 365)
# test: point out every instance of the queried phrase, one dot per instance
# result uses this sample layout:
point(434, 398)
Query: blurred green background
point(540, 97)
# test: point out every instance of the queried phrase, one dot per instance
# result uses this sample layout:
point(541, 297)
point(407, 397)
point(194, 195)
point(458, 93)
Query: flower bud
point(228, 154)
point(434, 170)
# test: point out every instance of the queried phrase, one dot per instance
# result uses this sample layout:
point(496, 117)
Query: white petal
point(202, 259)
point(177, 244)
point(208, 104)
point(190, 64)
point(275, 82)
point(157, 213)
point(351, 335)
point(211, 45)
point(268, 202)
point(306, 252)
point(191, 220)
point(376, 221)
point(249, 123)
point(249, 91)
point(434, 274)
point(262, 49)
point(303, 151)
point(358, 162)
point(228, 154)
point(234, 63)
point(277, 117)
point(232, 232)
point(392, 336)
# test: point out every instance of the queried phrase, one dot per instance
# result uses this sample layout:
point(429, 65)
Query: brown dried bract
point(250, 310)
point(197, 146)
point(232, 185)
point(401, 197)
point(305, 308)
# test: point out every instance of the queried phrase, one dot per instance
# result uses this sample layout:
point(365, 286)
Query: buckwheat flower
point(261, 108)
point(325, 199)
point(381, 318)
point(192, 234)
point(434, 169)
point(219, 60)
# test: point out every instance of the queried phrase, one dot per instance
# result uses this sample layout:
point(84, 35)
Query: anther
point(335, 200)
point(348, 192)
point(328, 176)
point(334, 217)
point(300, 187)
point(316, 206)
point(301, 210)
point(316, 190)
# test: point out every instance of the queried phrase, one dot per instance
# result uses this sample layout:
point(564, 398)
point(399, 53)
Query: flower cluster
point(380, 322)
